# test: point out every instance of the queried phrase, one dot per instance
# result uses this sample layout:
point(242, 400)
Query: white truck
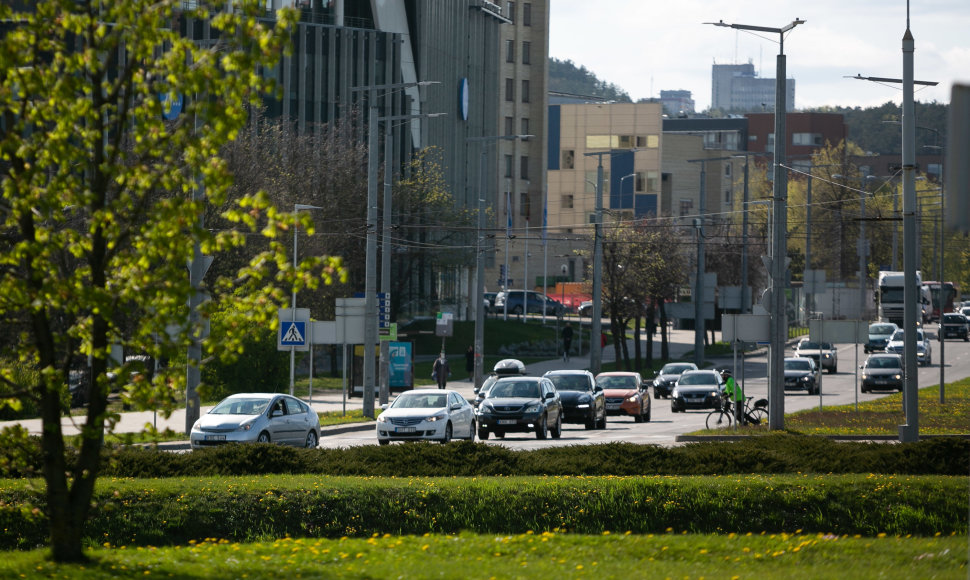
point(889, 296)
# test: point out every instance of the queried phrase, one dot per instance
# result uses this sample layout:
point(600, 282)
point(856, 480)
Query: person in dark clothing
point(470, 361)
point(567, 341)
point(440, 371)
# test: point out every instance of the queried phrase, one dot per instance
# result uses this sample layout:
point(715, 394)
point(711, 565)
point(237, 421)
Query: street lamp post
point(779, 261)
point(480, 255)
point(596, 324)
point(296, 207)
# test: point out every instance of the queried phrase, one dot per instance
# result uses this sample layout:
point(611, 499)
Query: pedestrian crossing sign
point(293, 333)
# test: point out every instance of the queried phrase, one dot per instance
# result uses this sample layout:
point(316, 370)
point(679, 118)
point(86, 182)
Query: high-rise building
point(677, 103)
point(737, 88)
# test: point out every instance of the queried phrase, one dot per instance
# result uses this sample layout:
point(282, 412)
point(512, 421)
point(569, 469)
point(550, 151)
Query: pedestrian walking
point(567, 341)
point(440, 371)
point(470, 361)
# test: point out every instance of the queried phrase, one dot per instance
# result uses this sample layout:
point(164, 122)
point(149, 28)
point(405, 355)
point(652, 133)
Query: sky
point(645, 46)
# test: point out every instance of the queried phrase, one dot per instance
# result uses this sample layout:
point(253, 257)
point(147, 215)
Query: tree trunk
point(664, 347)
point(637, 358)
point(651, 313)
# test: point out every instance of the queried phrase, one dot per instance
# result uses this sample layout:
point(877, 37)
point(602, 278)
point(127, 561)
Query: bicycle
point(720, 417)
point(724, 416)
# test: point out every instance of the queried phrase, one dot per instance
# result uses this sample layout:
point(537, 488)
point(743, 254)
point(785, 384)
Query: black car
point(697, 390)
point(663, 385)
point(504, 368)
point(800, 375)
point(583, 401)
point(879, 334)
point(955, 326)
point(515, 302)
point(882, 371)
point(520, 405)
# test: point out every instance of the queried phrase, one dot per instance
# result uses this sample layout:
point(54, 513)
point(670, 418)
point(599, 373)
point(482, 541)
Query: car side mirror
point(385, 406)
point(597, 389)
point(550, 395)
point(275, 413)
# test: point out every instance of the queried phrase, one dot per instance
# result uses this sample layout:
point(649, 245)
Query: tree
point(101, 198)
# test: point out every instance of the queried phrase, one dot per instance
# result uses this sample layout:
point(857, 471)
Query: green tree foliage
point(876, 129)
point(101, 205)
point(566, 77)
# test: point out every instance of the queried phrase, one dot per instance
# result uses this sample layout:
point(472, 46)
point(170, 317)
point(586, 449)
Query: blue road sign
point(293, 333)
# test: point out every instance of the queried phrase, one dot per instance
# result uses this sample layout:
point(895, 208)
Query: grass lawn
point(529, 555)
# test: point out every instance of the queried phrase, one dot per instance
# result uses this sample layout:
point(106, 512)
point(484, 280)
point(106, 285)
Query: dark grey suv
point(583, 401)
point(520, 405)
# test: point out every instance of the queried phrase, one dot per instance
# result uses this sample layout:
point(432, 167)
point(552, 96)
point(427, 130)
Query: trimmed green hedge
point(175, 511)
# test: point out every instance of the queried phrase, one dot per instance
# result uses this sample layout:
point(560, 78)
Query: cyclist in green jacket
point(734, 393)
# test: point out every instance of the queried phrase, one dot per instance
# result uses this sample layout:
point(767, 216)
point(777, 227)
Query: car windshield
point(900, 336)
point(881, 329)
point(884, 362)
point(241, 406)
point(514, 390)
point(798, 365)
point(809, 345)
point(955, 319)
point(570, 382)
point(698, 379)
point(675, 369)
point(621, 382)
point(414, 400)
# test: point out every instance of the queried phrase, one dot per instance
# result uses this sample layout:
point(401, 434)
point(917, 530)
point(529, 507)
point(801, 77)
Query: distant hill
point(566, 77)
point(868, 129)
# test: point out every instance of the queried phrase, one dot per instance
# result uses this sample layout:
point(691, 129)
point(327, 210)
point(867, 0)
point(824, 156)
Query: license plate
point(507, 421)
point(404, 430)
point(215, 437)
point(882, 382)
point(613, 407)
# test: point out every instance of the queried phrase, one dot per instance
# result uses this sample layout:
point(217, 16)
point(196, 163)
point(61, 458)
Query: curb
point(846, 438)
point(324, 431)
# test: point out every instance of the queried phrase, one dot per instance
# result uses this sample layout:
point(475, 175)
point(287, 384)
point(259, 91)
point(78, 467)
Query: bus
point(942, 296)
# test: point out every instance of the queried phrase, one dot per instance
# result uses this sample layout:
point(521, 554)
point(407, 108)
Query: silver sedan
point(258, 418)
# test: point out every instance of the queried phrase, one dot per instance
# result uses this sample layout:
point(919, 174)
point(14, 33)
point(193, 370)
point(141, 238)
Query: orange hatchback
point(626, 395)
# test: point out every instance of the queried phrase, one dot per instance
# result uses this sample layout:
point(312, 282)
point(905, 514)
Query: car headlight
point(381, 418)
point(675, 393)
point(806, 379)
point(435, 417)
point(534, 408)
point(865, 376)
point(486, 406)
point(898, 376)
point(632, 399)
point(247, 425)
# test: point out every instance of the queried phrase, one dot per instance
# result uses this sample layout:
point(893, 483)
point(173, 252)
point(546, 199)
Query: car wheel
point(483, 434)
point(471, 431)
point(556, 430)
point(263, 437)
point(590, 423)
point(541, 428)
point(656, 395)
point(447, 437)
point(638, 418)
point(500, 434)
point(602, 422)
point(311, 440)
point(646, 417)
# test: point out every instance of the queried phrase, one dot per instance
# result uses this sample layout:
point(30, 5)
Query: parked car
point(664, 383)
point(696, 390)
point(924, 350)
point(585, 308)
point(955, 326)
point(426, 414)
point(882, 371)
point(257, 418)
point(583, 400)
point(521, 405)
point(823, 353)
point(537, 302)
point(800, 374)
point(490, 302)
point(626, 395)
point(879, 334)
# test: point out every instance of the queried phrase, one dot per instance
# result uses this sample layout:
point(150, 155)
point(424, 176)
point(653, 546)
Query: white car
point(426, 414)
point(257, 418)
point(924, 349)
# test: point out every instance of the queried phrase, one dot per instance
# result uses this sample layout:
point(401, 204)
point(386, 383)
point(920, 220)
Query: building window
point(641, 142)
point(653, 141)
point(727, 197)
point(525, 206)
point(509, 125)
point(525, 126)
point(686, 207)
point(511, 13)
point(727, 170)
point(508, 165)
point(568, 158)
point(811, 139)
point(526, 52)
point(527, 14)
point(626, 142)
point(640, 181)
point(509, 51)
point(771, 140)
point(509, 89)
point(525, 91)
point(524, 167)
point(653, 181)
point(567, 201)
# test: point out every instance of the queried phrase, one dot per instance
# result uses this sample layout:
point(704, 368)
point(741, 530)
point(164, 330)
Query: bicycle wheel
point(718, 420)
point(758, 416)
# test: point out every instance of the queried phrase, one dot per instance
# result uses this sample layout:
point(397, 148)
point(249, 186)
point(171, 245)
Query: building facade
point(737, 88)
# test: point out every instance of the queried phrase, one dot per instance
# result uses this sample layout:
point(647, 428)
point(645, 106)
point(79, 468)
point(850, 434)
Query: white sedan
point(426, 414)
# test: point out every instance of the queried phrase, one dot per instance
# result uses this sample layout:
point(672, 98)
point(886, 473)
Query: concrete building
point(677, 103)
point(807, 132)
point(737, 88)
